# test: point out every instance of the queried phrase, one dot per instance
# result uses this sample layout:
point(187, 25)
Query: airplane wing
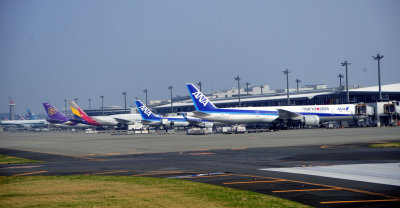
point(198, 113)
point(285, 115)
point(123, 121)
point(191, 120)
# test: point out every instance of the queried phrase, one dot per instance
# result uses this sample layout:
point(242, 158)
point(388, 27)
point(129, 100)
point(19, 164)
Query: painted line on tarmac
point(380, 173)
point(199, 150)
point(202, 175)
point(118, 171)
point(299, 190)
point(247, 182)
point(202, 153)
point(18, 167)
point(362, 201)
point(31, 173)
point(323, 185)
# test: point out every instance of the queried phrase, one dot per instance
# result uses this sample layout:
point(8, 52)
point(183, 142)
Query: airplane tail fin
point(78, 112)
point(54, 114)
point(30, 115)
point(144, 111)
point(200, 101)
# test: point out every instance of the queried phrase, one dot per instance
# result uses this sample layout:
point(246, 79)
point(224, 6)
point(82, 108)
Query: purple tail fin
point(54, 115)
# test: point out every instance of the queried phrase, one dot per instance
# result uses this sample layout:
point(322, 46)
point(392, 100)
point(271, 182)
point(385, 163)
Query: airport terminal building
point(311, 95)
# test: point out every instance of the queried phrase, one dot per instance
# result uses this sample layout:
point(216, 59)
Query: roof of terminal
point(302, 94)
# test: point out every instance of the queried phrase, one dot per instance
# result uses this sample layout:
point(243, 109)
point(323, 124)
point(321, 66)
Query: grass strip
point(5, 159)
point(385, 145)
point(125, 191)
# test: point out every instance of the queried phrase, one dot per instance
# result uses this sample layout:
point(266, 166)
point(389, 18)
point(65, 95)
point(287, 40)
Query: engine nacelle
point(164, 122)
point(207, 124)
point(310, 120)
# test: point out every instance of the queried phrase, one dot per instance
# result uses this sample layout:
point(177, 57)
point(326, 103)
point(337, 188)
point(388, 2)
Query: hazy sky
point(55, 50)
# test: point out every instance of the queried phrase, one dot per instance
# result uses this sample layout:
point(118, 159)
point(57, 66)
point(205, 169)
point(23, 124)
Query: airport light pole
point(247, 87)
point(238, 79)
point(379, 57)
point(261, 89)
point(89, 102)
point(124, 93)
point(199, 83)
point(170, 89)
point(145, 91)
point(340, 80)
point(297, 81)
point(345, 63)
point(76, 101)
point(102, 104)
point(286, 72)
point(65, 107)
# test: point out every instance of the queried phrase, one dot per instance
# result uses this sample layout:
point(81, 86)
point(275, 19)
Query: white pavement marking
point(381, 173)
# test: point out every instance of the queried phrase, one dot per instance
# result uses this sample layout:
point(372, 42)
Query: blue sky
point(54, 50)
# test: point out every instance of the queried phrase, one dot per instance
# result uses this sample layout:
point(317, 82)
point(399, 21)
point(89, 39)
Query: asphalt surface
point(237, 161)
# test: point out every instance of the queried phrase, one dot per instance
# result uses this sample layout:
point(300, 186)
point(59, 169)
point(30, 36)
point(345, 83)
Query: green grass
point(4, 159)
point(125, 191)
point(385, 145)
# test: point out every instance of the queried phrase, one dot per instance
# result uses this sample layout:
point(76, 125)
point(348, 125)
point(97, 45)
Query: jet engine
point(310, 120)
point(207, 124)
point(166, 123)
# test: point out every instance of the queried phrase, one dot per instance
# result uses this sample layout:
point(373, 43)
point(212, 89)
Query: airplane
point(25, 123)
point(307, 115)
point(56, 117)
point(120, 120)
point(30, 116)
point(153, 120)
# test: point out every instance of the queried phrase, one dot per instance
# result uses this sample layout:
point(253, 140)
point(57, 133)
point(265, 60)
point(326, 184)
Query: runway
point(249, 161)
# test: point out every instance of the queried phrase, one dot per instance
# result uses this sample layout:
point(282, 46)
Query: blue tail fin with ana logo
point(200, 101)
point(145, 112)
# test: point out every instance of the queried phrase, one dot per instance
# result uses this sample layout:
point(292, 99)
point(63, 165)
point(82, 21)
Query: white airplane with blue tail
point(149, 118)
point(306, 115)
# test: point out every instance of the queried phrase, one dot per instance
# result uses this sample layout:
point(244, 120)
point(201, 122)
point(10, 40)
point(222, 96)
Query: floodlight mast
point(286, 72)
point(238, 79)
point(170, 89)
point(379, 57)
point(297, 82)
point(345, 64)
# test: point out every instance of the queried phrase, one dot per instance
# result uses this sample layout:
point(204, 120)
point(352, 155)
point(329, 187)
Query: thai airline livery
point(307, 115)
point(149, 118)
point(111, 120)
point(56, 117)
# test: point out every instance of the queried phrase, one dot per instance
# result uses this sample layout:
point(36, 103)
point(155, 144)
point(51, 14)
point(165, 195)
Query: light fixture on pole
point(102, 104)
point(124, 94)
point(199, 83)
point(286, 72)
point(297, 82)
point(379, 57)
point(340, 80)
point(345, 64)
point(238, 79)
point(170, 89)
point(145, 91)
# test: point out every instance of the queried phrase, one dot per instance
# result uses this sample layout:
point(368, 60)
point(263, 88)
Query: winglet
point(200, 101)
point(145, 112)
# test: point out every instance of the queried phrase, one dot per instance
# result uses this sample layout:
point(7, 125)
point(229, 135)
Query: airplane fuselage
point(271, 114)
